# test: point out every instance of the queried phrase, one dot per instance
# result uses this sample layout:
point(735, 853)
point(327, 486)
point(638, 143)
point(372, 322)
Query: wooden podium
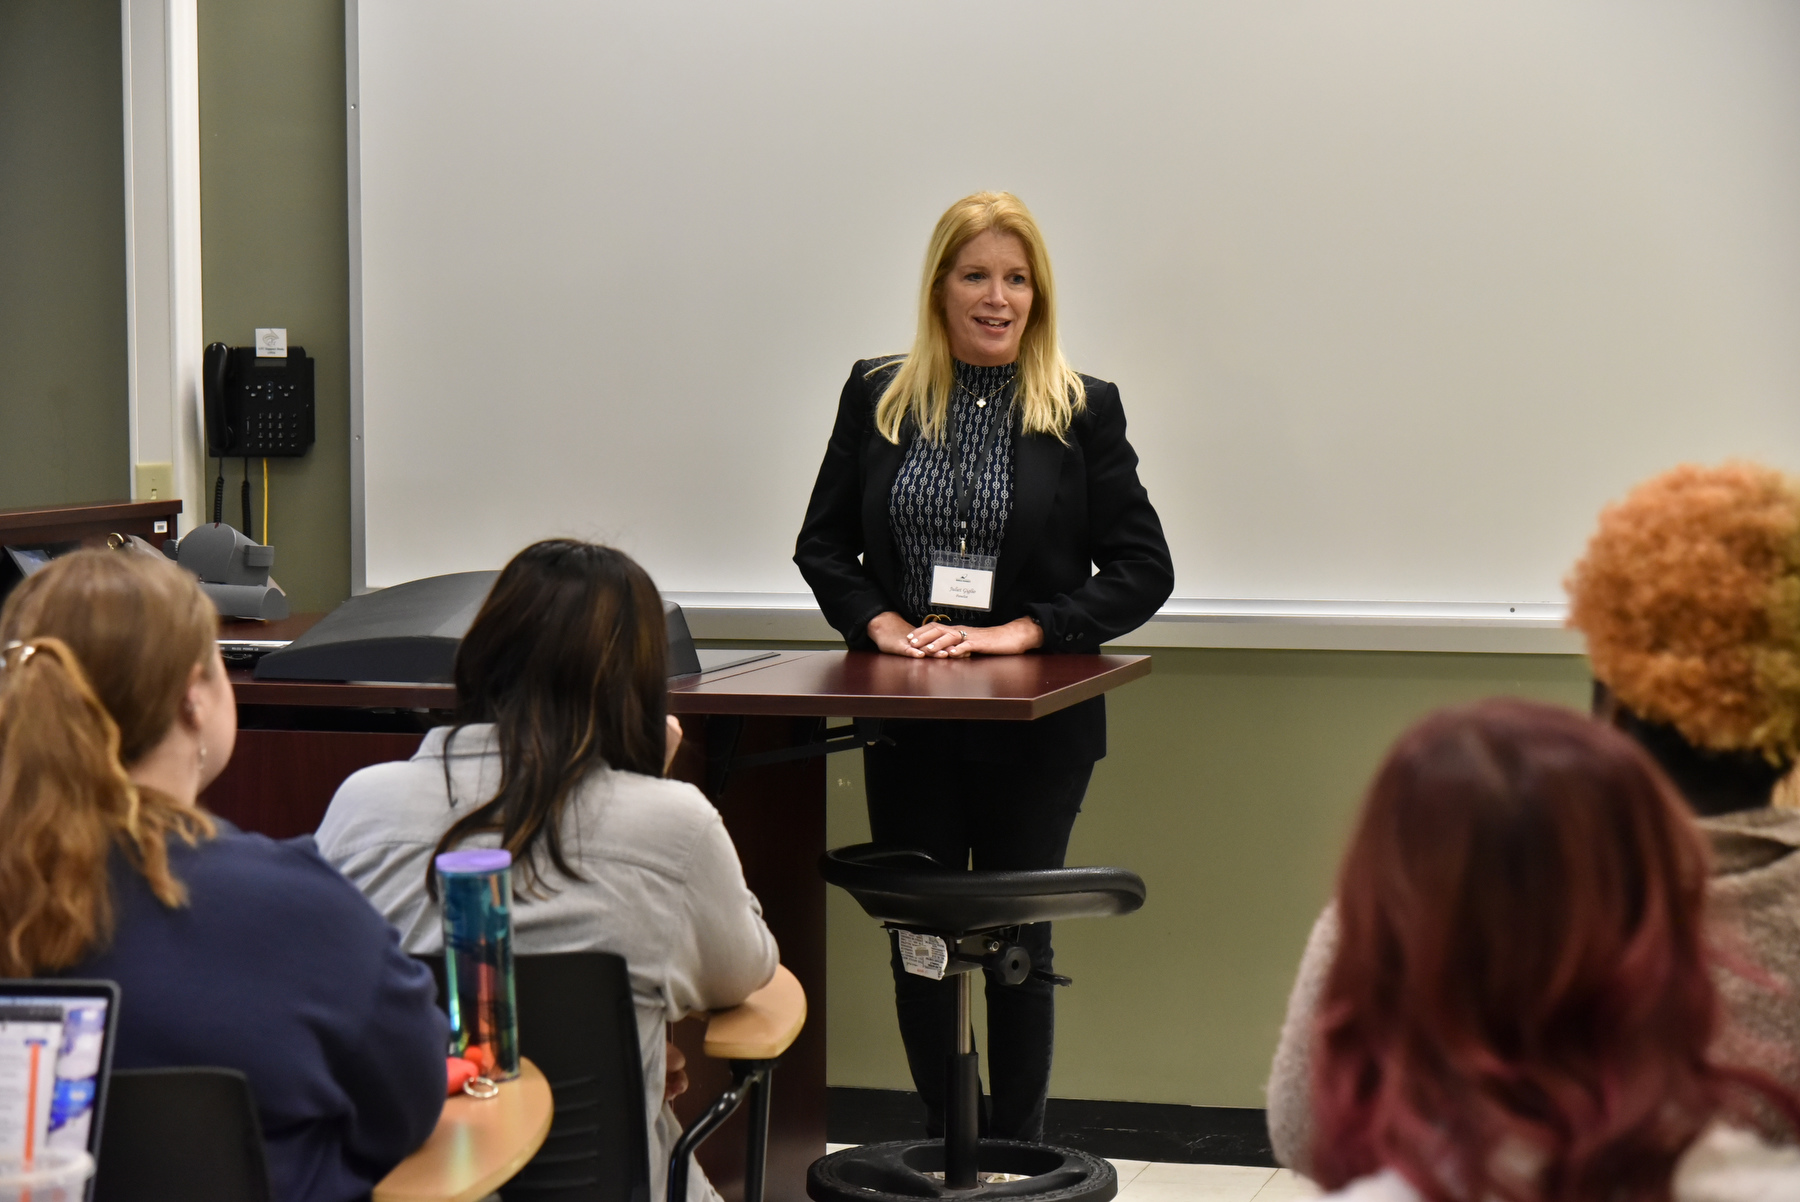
point(755, 742)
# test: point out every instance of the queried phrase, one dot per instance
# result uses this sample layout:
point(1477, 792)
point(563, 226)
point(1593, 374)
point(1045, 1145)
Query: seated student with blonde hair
point(229, 949)
point(1689, 595)
point(558, 754)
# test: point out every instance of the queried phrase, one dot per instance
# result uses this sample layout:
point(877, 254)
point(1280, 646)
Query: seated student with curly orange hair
point(1689, 596)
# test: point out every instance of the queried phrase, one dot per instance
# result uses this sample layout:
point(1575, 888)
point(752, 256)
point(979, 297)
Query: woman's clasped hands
point(894, 635)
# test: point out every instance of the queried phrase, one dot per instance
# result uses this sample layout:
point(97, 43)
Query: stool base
point(911, 1170)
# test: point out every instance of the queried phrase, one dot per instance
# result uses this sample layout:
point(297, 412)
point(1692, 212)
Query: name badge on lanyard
point(960, 580)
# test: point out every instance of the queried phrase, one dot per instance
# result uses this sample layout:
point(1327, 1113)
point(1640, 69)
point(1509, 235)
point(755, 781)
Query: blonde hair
point(1689, 595)
point(1050, 393)
point(96, 652)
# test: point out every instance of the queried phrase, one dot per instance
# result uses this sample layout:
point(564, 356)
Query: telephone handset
point(257, 406)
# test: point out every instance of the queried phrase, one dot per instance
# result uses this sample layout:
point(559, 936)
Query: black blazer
point(1076, 507)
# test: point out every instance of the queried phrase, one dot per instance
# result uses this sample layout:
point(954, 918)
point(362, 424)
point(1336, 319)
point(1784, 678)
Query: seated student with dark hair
point(1519, 1007)
point(558, 754)
point(1689, 595)
point(229, 949)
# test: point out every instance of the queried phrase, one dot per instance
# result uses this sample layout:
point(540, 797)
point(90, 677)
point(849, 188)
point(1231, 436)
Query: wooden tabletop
point(797, 684)
point(259, 629)
point(867, 684)
point(803, 684)
point(763, 1025)
point(477, 1145)
point(91, 512)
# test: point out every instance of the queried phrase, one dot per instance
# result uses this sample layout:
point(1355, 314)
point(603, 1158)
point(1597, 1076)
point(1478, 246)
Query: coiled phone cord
point(219, 495)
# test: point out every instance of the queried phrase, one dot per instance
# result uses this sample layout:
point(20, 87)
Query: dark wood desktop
point(89, 524)
point(753, 737)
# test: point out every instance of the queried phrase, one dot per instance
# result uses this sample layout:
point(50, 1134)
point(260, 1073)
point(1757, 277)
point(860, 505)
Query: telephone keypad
point(257, 406)
point(276, 419)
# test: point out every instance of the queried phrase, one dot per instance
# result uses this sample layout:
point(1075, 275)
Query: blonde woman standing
point(229, 949)
point(979, 497)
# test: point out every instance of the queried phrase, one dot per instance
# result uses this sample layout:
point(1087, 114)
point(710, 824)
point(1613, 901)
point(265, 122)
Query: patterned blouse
point(922, 503)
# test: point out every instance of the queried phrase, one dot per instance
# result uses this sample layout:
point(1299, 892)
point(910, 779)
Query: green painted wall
point(63, 415)
point(275, 238)
point(1231, 783)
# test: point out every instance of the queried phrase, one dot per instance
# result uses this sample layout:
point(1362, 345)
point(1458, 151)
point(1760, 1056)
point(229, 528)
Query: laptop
point(56, 1045)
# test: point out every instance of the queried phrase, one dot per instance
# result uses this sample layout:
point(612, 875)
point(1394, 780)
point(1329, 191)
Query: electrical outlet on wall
point(155, 481)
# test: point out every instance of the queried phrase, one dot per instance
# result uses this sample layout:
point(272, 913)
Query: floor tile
point(1155, 1181)
point(1288, 1186)
point(1196, 1183)
point(1128, 1170)
point(1160, 1173)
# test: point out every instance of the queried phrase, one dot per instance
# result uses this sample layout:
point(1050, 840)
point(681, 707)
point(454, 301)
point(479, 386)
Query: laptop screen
point(55, 1052)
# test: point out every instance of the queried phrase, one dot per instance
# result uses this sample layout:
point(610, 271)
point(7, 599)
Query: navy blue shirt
point(278, 967)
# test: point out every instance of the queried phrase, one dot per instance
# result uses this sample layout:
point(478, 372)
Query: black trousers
point(972, 813)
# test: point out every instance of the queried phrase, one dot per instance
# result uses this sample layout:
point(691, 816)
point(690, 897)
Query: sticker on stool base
point(923, 955)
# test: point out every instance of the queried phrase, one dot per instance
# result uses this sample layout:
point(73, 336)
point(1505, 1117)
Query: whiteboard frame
point(359, 554)
point(1261, 625)
point(160, 85)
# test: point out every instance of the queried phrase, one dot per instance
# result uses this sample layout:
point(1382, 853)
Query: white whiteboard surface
point(1397, 293)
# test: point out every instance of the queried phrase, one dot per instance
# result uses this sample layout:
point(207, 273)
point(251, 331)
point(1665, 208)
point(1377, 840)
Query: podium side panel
point(776, 816)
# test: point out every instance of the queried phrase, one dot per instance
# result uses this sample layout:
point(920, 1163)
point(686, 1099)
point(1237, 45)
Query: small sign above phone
point(271, 344)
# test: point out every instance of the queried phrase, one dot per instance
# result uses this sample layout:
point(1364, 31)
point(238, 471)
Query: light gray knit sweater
point(659, 884)
point(1756, 901)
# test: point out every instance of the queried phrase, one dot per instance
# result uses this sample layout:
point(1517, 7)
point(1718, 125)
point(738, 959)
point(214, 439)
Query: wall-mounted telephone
point(257, 406)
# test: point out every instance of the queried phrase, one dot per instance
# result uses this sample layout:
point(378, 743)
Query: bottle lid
point(475, 859)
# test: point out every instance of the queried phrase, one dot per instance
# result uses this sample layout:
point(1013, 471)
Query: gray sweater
point(660, 885)
point(1755, 897)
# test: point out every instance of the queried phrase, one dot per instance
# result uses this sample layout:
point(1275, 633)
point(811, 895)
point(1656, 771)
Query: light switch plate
point(155, 481)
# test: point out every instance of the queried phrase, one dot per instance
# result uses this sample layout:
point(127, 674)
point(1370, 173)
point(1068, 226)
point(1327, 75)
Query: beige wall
point(1231, 782)
point(63, 401)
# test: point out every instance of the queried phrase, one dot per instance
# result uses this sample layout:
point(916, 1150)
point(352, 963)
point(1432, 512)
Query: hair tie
point(15, 645)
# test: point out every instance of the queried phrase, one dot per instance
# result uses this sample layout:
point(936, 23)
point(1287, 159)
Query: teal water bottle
point(476, 886)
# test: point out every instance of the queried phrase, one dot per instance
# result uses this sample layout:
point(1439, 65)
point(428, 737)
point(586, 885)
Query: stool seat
point(964, 914)
point(910, 889)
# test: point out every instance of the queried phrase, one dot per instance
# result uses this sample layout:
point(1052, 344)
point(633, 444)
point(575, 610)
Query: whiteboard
point(1397, 293)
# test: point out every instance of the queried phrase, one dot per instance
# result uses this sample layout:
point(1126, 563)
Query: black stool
point(963, 922)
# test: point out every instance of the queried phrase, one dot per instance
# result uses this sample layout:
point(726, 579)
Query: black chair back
point(189, 1133)
point(578, 1025)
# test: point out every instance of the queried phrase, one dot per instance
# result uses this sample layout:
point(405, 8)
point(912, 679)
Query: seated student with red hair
point(1689, 595)
point(1520, 1008)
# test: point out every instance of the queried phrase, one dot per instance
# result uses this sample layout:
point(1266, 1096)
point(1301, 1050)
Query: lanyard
point(965, 488)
